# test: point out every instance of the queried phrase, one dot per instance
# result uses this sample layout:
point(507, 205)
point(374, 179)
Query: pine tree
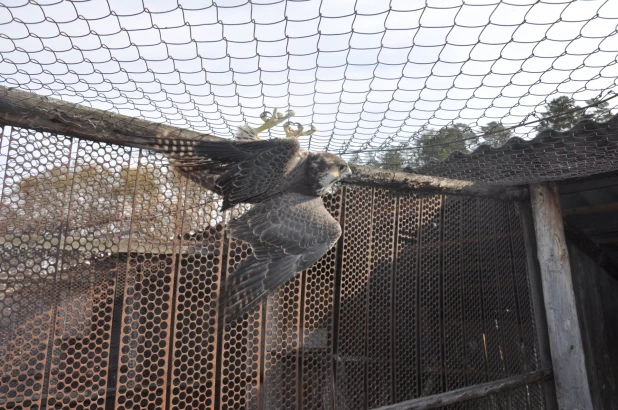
point(600, 112)
point(495, 134)
point(434, 145)
point(560, 107)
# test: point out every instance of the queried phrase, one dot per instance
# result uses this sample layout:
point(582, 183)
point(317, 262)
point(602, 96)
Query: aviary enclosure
point(441, 293)
point(112, 264)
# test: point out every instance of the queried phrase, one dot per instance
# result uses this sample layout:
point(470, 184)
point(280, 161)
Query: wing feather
point(244, 171)
point(287, 235)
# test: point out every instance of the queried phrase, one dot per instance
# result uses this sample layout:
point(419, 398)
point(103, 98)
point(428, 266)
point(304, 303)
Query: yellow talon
point(274, 119)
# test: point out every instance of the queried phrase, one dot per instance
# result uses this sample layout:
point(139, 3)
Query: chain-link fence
point(369, 74)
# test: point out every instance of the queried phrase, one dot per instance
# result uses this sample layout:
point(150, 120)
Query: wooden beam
point(469, 393)
point(570, 376)
point(32, 111)
point(28, 110)
point(407, 182)
point(592, 209)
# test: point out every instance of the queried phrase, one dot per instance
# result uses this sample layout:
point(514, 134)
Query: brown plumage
point(288, 228)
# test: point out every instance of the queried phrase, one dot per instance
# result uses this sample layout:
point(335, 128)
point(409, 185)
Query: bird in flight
point(288, 227)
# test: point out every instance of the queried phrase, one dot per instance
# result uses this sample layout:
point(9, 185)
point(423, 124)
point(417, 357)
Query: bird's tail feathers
point(252, 282)
point(192, 150)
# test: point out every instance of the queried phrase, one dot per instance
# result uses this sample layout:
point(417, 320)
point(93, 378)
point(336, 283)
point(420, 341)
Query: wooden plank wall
point(596, 297)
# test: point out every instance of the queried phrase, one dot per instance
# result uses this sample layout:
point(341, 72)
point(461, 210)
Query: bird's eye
point(342, 168)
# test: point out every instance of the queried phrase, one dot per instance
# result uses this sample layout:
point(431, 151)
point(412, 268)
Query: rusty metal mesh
point(111, 266)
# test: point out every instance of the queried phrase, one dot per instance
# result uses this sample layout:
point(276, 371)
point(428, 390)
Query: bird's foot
point(295, 129)
point(274, 119)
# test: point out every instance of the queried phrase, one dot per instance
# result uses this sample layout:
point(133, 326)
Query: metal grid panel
point(318, 299)
point(31, 231)
point(352, 332)
point(430, 322)
point(149, 282)
point(452, 303)
point(242, 341)
point(406, 381)
point(380, 301)
point(109, 295)
point(85, 307)
point(194, 345)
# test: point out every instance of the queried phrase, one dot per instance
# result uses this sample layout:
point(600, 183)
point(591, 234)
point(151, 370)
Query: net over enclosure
point(112, 262)
point(111, 266)
point(368, 74)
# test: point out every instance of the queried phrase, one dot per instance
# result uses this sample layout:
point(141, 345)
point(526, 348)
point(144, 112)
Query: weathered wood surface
point(570, 376)
point(27, 110)
point(587, 276)
point(469, 393)
point(590, 248)
point(536, 296)
point(592, 209)
point(404, 181)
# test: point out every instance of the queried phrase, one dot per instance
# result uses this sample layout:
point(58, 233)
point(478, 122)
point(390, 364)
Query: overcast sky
point(366, 73)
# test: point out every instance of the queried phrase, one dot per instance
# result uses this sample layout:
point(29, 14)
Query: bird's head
point(325, 169)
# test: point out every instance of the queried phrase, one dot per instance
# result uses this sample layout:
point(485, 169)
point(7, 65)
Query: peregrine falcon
point(288, 227)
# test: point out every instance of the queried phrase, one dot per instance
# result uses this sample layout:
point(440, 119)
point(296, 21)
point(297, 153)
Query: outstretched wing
point(242, 171)
point(287, 234)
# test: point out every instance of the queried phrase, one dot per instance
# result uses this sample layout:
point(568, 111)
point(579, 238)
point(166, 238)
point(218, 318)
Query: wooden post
point(536, 295)
point(572, 390)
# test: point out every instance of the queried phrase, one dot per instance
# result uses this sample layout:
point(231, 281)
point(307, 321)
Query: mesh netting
point(111, 266)
point(588, 149)
point(366, 73)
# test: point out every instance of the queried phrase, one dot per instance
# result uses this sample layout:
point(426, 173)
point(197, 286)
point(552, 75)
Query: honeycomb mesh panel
point(146, 319)
point(493, 338)
point(454, 357)
point(241, 351)
point(474, 324)
point(198, 277)
point(406, 297)
point(31, 225)
point(529, 349)
point(317, 322)
point(281, 346)
point(351, 349)
point(429, 290)
point(379, 313)
point(111, 272)
point(82, 335)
